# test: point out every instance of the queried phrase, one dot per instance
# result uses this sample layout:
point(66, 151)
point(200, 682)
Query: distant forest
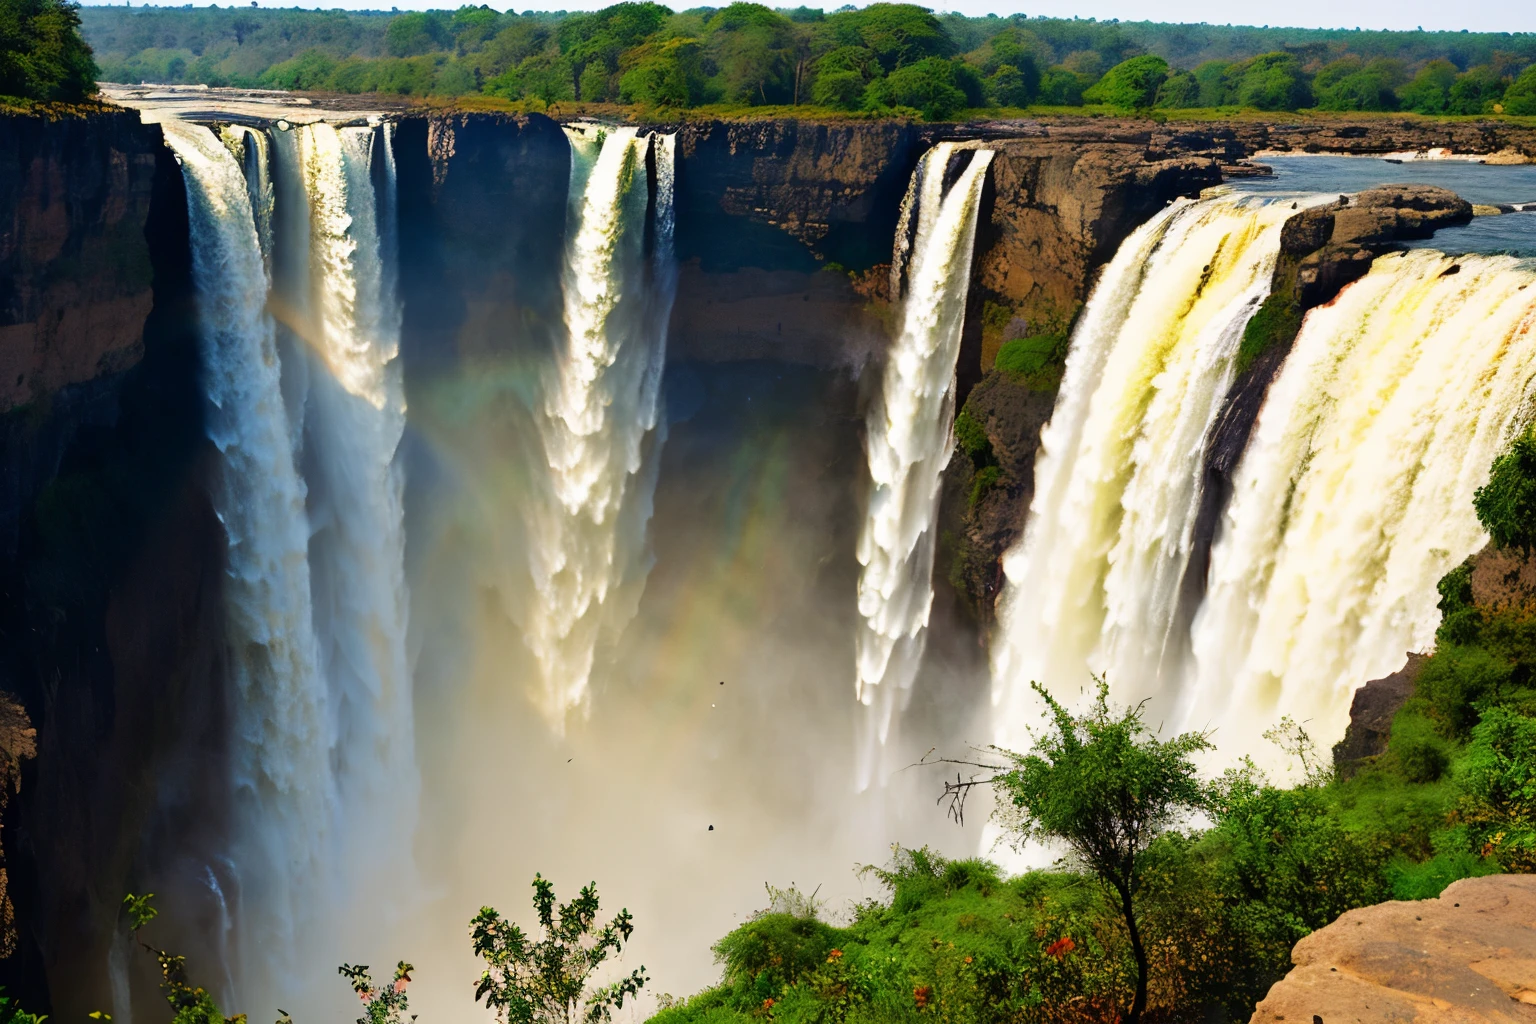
point(878, 60)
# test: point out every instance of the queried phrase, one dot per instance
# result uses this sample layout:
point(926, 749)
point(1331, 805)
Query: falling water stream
point(600, 410)
point(909, 439)
point(1353, 497)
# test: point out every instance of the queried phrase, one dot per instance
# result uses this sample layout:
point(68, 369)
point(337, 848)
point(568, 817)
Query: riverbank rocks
point(1466, 958)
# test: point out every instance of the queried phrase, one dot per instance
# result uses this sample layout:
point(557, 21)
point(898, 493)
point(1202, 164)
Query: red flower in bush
point(921, 995)
point(1061, 947)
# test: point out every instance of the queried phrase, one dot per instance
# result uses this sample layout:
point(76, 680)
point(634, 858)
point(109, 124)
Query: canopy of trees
point(42, 56)
point(887, 57)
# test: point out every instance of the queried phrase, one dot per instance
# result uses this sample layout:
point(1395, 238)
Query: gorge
point(461, 476)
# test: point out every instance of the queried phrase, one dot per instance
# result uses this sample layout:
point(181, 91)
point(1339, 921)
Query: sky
point(1473, 15)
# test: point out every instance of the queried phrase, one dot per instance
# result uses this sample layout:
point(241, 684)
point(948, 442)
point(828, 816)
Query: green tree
point(1060, 87)
point(753, 47)
point(1351, 84)
point(1104, 786)
point(1520, 97)
point(1475, 91)
point(927, 86)
point(1272, 81)
point(1180, 90)
point(897, 34)
point(1429, 91)
point(1215, 81)
point(42, 55)
point(1131, 84)
point(546, 981)
point(1506, 504)
point(419, 32)
point(192, 1004)
point(662, 75)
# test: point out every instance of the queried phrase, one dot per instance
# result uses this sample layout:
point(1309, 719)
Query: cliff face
point(75, 273)
point(110, 567)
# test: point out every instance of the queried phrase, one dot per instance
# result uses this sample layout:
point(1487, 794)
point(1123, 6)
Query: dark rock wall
point(112, 559)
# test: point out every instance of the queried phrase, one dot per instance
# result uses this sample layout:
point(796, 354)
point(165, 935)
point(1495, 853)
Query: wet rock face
point(1371, 713)
point(1467, 957)
point(74, 265)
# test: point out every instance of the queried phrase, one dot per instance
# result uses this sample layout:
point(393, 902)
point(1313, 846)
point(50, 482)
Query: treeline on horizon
point(878, 60)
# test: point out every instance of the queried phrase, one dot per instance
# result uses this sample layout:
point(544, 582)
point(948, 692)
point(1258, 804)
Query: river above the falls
point(1478, 183)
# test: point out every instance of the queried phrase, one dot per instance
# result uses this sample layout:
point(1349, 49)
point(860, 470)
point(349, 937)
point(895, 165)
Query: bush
point(1427, 880)
point(1506, 504)
point(1062, 88)
point(1131, 84)
point(972, 438)
point(1274, 324)
point(1026, 356)
point(1007, 87)
point(42, 55)
point(927, 86)
point(1500, 777)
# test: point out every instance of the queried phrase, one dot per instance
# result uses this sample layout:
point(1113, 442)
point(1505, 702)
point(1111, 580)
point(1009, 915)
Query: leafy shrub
point(1475, 91)
point(1428, 879)
point(1500, 777)
point(1506, 504)
point(1456, 681)
point(1025, 356)
point(972, 438)
point(840, 90)
point(1273, 325)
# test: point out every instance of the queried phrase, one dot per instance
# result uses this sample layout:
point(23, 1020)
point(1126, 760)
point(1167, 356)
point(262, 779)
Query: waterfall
point(283, 793)
point(1352, 498)
point(308, 410)
point(600, 411)
point(354, 417)
point(1093, 586)
point(1355, 493)
point(909, 438)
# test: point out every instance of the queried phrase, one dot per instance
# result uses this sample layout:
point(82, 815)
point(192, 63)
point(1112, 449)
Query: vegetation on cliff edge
point(884, 59)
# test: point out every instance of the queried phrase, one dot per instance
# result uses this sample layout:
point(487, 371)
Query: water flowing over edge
point(1355, 493)
point(1353, 497)
point(909, 440)
point(324, 738)
point(600, 414)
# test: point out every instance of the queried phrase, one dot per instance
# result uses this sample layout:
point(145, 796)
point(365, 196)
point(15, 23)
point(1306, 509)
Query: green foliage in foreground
point(1506, 505)
point(42, 56)
point(10, 1013)
point(547, 981)
point(1218, 908)
point(883, 59)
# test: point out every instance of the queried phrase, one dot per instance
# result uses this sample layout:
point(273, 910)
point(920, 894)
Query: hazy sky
point(1477, 15)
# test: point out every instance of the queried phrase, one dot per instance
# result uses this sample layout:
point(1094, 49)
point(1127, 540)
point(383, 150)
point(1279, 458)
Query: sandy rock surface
point(1466, 958)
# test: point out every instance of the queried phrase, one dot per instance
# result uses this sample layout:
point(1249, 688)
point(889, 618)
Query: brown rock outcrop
point(1371, 713)
point(74, 265)
point(1468, 957)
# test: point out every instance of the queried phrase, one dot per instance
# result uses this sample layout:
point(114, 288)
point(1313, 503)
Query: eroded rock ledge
point(1465, 958)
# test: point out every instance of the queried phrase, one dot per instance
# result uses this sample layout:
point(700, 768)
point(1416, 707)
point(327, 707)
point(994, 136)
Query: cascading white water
point(600, 410)
point(1355, 494)
point(354, 417)
point(283, 792)
point(311, 498)
point(909, 439)
point(1094, 584)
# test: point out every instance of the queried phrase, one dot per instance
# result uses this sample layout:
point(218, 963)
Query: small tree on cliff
point(545, 981)
point(1104, 786)
point(1506, 504)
